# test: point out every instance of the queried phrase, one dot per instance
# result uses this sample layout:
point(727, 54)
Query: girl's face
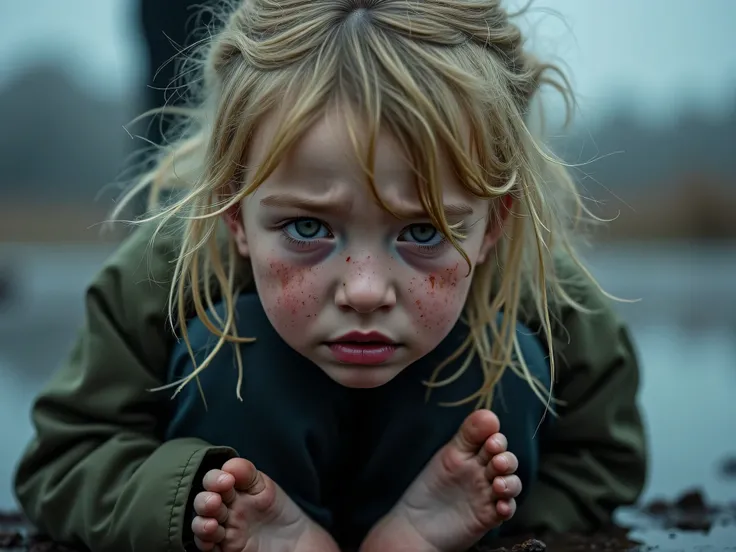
point(357, 291)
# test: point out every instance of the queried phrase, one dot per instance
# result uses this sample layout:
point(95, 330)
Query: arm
point(97, 471)
point(594, 456)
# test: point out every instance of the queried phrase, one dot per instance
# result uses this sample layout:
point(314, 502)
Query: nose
point(365, 291)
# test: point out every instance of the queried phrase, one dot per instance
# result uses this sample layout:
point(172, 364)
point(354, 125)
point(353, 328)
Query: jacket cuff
point(189, 485)
point(213, 459)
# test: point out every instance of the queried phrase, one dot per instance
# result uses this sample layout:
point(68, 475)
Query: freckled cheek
point(437, 300)
point(291, 294)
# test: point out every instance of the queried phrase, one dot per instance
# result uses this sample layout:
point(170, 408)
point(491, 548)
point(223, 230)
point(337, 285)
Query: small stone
point(531, 545)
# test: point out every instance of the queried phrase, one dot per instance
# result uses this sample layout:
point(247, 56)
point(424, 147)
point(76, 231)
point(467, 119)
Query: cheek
point(438, 297)
point(290, 293)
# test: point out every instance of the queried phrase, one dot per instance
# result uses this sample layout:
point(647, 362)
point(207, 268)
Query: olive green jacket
point(98, 472)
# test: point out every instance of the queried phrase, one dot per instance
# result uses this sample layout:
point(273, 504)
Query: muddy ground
point(687, 523)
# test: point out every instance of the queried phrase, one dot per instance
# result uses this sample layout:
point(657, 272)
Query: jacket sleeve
point(97, 471)
point(593, 458)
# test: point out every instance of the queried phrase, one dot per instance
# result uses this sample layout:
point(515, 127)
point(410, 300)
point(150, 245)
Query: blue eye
point(306, 229)
point(422, 234)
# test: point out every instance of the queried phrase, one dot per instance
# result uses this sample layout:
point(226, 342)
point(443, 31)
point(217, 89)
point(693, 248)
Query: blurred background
point(656, 127)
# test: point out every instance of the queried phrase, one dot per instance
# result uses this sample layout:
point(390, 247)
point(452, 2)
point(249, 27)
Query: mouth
point(367, 349)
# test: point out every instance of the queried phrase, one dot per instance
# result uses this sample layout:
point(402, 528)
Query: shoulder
point(126, 301)
point(147, 251)
point(589, 334)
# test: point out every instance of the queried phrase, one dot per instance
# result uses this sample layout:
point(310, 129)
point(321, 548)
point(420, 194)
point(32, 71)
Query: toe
point(502, 464)
point(508, 486)
point(496, 444)
point(218, 481)
point(247, 477)
point(506, 508)
point(505, 463)
point(204, 546)
point(207, 529)
point(476, 429)
point(210, 505)
point(221, 482)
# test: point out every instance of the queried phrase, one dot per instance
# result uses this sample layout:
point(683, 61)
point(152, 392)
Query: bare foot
point(243, 510)
point(465, 491)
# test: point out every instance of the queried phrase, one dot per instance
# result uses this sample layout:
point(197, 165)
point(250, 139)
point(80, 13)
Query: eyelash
point(306, 243)
point(295, 241)
point(430, 248)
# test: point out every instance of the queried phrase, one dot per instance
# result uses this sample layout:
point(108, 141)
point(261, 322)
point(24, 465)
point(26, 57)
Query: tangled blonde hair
point(429, 71)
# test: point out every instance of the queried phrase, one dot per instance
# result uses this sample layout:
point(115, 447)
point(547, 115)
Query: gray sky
point(661, 52)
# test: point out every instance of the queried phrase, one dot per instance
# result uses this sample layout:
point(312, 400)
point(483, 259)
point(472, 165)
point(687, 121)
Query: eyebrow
point(332, 206)
point(451, 211)
point(305, 203)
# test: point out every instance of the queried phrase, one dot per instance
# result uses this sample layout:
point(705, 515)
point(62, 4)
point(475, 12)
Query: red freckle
point(431, 280)
point(347, 260)
point(418, 302)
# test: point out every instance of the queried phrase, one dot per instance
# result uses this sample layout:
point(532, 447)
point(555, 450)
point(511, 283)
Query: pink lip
point(363, 348)
point(361, 337)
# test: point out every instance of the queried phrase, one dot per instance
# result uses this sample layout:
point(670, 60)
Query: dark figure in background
point(168, 27)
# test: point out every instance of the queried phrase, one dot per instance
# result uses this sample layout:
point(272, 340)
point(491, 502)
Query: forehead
point(329, 160)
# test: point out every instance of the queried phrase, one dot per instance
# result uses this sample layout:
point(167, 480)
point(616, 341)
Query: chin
point(361, 377)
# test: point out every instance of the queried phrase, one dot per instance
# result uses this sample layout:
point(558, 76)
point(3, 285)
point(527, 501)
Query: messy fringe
point(423, 70)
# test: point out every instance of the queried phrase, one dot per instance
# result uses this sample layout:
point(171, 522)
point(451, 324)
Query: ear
point(495, 226)
point(236, 225)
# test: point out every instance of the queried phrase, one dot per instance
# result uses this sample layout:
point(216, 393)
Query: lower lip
point(363, 353)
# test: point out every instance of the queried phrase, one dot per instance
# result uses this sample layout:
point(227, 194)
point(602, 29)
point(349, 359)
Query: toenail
point(222, 479)
point(504, 486)
point(499, 442)
point(504, 462)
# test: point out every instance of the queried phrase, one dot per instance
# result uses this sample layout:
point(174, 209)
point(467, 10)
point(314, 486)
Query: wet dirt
point(661, 525)
point(689, 522)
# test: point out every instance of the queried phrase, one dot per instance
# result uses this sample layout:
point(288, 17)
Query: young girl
point(369, 222)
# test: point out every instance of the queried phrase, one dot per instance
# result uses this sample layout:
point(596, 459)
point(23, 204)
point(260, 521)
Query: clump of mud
point(663, 520)
point(610, 539)
point(691, 512)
